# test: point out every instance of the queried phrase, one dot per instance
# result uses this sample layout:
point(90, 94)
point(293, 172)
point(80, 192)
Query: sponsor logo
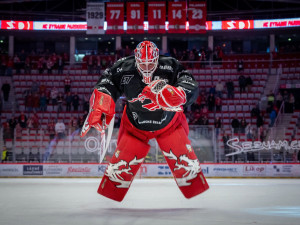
point(135, 115)
point(103, 89)
point(119, 70)
point(106, 81)
point(248, 146)
point(152, 121)
point(164, 170)
point(191, 166)
point(17, 25)
point(101, 100)
point(9, 170)
point(282, 169)
point(117, 153)
point(224, 169)
point(53, 170)
point(166, 67)
point(254, 169)
point(188, 82)
point(159, 78)
point(189, 147)
point(171, 91)
point(237, 25)
point(32, 170)
point(143, 170)
point(101, 169)
point(72, 169)
point(205, 170)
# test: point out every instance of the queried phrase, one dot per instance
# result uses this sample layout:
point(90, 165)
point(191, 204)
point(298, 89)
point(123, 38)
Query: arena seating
point(32, 144)
point(292, 131)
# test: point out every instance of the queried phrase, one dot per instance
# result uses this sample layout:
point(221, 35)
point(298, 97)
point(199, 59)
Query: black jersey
point(123, 78)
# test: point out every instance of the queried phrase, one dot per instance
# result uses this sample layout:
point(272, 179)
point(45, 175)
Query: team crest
point(150, 106)
point(126, 79)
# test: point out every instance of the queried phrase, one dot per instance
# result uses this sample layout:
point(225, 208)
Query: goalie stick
point(104, 143)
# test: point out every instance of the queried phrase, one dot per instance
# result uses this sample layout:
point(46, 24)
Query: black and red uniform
point(143, 120)
point(124, 78)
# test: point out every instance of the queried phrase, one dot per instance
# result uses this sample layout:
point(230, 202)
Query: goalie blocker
point(132, 149)
point(102, 110)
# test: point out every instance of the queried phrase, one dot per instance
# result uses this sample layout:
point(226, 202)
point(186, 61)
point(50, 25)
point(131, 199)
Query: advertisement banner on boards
point(150, 170)
point(11, 170)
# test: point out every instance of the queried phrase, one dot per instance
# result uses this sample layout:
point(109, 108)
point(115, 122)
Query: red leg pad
point(183, 162)
point(123, 166)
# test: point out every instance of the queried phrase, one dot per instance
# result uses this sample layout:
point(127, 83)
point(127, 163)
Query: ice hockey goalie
point(157, 89)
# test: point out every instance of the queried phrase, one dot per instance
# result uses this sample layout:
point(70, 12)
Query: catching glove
point(102, 110)
point(168, 97)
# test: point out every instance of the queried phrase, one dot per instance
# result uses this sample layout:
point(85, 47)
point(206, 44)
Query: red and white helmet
point(146, 57)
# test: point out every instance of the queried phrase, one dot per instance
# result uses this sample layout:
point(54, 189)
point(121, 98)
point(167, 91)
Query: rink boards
point(150, 170)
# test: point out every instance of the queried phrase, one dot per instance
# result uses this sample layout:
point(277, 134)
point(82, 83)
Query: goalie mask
point(146, 57)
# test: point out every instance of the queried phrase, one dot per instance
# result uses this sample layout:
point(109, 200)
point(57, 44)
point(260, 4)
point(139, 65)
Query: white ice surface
point(149, 201)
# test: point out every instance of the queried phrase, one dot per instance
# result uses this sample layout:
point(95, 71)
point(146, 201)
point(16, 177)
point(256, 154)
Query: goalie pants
point(132, 148)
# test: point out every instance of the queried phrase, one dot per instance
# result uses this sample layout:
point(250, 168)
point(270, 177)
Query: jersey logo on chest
point(150, 106)
point(126, 79)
